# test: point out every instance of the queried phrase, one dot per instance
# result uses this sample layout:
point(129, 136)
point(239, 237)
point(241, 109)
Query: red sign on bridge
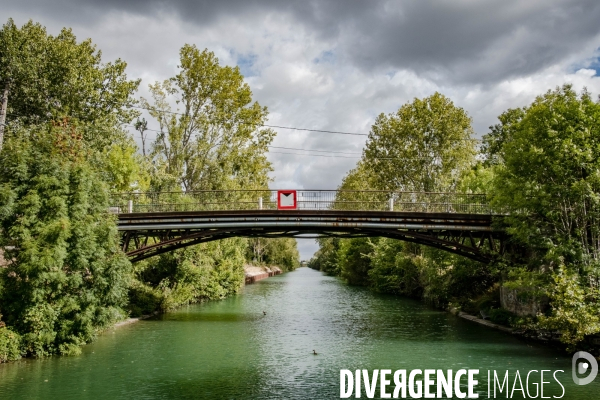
point(286, 200)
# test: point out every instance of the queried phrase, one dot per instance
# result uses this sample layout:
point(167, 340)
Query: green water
point(230, 350)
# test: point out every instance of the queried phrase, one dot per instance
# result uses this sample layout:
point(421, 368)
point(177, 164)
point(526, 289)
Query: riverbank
point(252, 274)
point(255, 273)
point(552, 339)
point(481, 321)
point(134, 319)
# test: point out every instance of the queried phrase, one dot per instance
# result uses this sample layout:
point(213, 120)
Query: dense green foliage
point(432, 139)
point(280, 252)
point(540, 165)
point(66, 278)
point(325, 259)
point(575, 307)
point(10, 345)
point(353, 260)
point(550, 178)
point(51, 77)
point(423, 147)
point(547, 177)
point(208, 271)
point(65, 152)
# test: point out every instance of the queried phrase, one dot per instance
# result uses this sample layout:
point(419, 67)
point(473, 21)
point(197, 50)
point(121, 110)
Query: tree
point(123, 169)
point(426, 146)
point(395, 267)
point(575, 308)
point(66, 277)
point(422, 147)
point(550, 179)
point(500, 134)
point(212, 270)
point(353, 259)
point(357, 190)
point(46, 78)
point(10, 345)
point(548, 182)
point(256, 249)
point(280, 252)
point(142, 126)
point(478, 179)
point(213, 141)
point(326, 258)
point(283, 253)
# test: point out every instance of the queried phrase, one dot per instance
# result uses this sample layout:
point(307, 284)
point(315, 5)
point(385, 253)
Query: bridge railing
point(351, 200)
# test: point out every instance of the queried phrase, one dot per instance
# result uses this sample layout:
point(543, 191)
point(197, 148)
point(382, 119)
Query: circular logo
point(583, 367)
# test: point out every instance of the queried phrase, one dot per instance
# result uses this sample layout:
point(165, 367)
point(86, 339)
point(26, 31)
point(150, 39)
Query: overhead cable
point(268, 125)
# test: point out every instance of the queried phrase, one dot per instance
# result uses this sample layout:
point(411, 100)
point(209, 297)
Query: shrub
point(502, 316)
point(10, 343)
point(575, 308)
point(67, 278)
point(207, 271)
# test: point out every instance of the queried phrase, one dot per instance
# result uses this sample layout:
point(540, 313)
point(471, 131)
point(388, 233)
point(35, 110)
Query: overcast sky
point(335, 65)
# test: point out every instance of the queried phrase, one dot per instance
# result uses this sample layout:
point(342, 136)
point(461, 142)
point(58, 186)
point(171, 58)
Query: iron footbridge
point(155, 223)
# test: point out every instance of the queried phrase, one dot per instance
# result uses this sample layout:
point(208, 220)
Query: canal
point(230, 350)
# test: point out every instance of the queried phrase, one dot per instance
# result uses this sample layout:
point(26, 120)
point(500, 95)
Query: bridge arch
point(471, 235)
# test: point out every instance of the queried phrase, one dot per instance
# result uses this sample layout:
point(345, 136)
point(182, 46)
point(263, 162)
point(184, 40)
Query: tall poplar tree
point(210, 138)
point(213, 139)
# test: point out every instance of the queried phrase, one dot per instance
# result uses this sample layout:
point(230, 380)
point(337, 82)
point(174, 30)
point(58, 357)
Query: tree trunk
point(3, 114)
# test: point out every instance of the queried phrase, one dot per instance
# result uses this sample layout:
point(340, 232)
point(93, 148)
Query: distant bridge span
point(155, 223)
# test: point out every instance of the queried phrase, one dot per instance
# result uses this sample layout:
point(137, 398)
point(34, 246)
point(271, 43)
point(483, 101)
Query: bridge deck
point(304, 218)
point(148, 234)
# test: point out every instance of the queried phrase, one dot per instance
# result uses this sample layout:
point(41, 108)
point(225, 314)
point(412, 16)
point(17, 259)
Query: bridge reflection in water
point(155, 223)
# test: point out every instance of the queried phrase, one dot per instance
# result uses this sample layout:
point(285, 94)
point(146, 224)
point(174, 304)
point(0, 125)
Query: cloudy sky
point(336, 64)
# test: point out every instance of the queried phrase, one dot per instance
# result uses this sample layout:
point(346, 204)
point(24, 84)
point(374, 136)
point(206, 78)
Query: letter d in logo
point(583, 367)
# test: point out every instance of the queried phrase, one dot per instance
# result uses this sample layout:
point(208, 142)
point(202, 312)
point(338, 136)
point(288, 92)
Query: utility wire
point(311, 155)
point(284, 148)
point(318, 151)
point(352, 155)
point(266, 125)
point(285, 127)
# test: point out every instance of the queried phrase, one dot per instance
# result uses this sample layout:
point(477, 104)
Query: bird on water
point(264, 313)
point(315, 353)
